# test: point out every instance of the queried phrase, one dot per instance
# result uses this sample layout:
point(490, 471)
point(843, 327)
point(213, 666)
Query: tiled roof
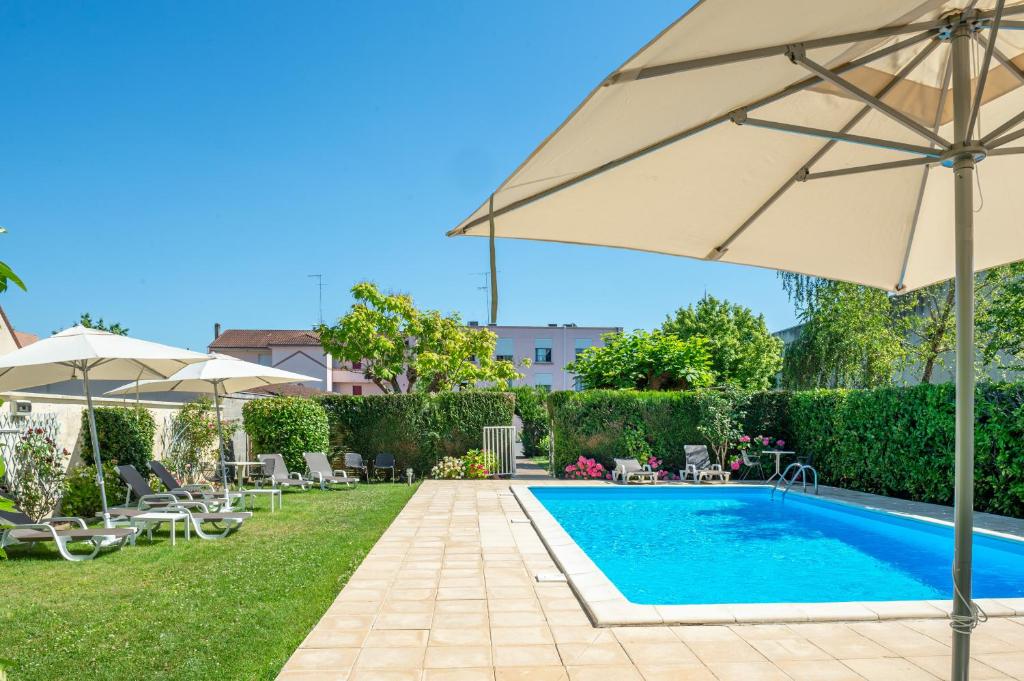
point(24, 338)
point(264, 338)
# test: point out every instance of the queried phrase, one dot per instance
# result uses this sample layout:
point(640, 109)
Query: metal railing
point(801, 471)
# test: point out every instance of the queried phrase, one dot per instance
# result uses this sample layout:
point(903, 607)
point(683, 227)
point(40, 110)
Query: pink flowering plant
point(585, 469)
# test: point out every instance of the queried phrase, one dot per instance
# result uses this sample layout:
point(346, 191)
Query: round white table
point(241, 470)
point(779, 453)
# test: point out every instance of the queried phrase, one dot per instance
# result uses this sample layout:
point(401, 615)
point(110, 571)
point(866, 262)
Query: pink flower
point(780, 443)
point(735, 465)
point(745, 438)
point(766, 441)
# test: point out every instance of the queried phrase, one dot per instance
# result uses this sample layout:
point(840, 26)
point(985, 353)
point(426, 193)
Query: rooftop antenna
point(320, 294)
point(486, 288)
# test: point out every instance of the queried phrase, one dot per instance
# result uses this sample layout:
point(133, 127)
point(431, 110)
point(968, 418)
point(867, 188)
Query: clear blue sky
point(172, 164)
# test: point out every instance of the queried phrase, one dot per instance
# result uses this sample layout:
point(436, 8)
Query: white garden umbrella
point(812, 137)
point(221, 375)
point(81, 353)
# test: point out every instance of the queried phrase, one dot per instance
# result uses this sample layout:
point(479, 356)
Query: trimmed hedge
point(893, 441)
point(125, 435)
point(288, 426)
point(417, 428)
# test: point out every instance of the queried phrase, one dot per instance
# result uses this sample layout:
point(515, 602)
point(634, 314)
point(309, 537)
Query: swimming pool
point(722, 545)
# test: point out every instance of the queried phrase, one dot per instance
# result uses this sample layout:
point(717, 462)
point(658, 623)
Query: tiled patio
point(448, 593)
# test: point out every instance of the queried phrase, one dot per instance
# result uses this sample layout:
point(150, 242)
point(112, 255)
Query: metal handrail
point(801, 470)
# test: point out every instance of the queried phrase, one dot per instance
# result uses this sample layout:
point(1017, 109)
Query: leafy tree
point(1001, 328)
point(7, 275)
point(645, 361)
point(86, 320)
point(852, 336)
point(743, 352)
point(720, 417)
point(393, 340)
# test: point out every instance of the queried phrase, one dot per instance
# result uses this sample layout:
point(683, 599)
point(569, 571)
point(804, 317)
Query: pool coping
point(606, 606)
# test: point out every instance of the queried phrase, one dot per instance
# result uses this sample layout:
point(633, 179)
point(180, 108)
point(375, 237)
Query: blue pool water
point(679, 545)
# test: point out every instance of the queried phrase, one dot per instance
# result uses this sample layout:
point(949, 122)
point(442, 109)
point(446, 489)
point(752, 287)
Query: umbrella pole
point(95, 445)
point(220, 443)
point(964, 617)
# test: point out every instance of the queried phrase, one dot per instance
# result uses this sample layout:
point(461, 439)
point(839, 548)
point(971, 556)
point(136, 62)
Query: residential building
point(549, 348)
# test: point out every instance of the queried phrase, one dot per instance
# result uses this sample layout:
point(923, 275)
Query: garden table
point(242, 473)
point(779, 453)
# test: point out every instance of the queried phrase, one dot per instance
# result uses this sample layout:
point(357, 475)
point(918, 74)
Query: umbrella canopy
point(219, 374)
point(67, 355)
point(812, 137)
point(82, 353)
point(683, 149)
point(229, 374)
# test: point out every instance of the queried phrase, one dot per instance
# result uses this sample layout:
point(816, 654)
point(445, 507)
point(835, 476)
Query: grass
point(229, 609)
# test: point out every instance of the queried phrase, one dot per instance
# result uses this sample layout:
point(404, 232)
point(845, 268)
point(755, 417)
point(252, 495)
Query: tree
point(743, 352)
point(86, 320)
point(7, 275)
point(720, 413)
point(645, 361)
point(394, 340)
point(852, 336)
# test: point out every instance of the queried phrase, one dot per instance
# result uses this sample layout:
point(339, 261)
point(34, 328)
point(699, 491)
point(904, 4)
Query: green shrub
point(82, 495)
point(418, 429)
point(531, 408)
point(125, 435)
point(288, 426)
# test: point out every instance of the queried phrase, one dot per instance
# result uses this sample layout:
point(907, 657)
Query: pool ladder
point(801, 470)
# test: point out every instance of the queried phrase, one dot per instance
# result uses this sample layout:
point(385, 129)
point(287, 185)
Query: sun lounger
point(146, 498)
point(630, 470)
point(277, 472)
point(195, 492)
point(18, 528)
point(320, 471)
point(231, 520)
point(699, 466)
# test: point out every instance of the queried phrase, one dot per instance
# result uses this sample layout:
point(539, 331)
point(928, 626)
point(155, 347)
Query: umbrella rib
point(689, 132)
point(799, 56)
point(1017, 73)
point(947, 76)
point(842, 136)
point(855, 170)
point(720, 250)
point(985, 62)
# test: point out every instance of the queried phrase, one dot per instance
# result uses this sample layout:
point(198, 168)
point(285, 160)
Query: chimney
point(216, 331)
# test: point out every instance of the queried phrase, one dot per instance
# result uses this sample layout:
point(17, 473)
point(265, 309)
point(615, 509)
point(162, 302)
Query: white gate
point(501, 441)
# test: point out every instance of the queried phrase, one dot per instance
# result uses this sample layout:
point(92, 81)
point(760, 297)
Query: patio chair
point(199, 492)
point(320, 471)
point(752, 462)
point(277, 473)
point(630, 470)
point(355, 461)
point(699, 466)
point(18, 528)
point(383, 462)
point(151, 502)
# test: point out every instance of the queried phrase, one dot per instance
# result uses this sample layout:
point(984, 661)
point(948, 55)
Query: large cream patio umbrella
point(808, 136)
point(82, 353)
point(221, 375)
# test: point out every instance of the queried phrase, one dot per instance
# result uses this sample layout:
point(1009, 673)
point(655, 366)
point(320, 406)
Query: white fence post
point(501, 441)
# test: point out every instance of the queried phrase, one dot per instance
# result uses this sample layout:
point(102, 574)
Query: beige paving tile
point(460, 636)
point(615, 673)
point(464, 620)
point(1010, 663)
point(851, 645)
point(520, 619)
point(789, 649)
point(398, 607)
point(644, 634)
point(386, 675)
point(326, 659)
point(476, 674)
point(818, 670)
point(391, 657)
point(580, 634)
point(532, 635)
point(448, 657)
point(658, 652)
point(939, 666)
point(525, 655)
point(334, 638)
point(694, 671)
point(747, 671)
point(719, 634)
point(735, 651)
point(900, 639)
point(399, 638)
point(461, 606)
point(581, 654)
point(762, 632)
point(408, 620)
point(314, 676)
point(889, 669)
point(551, 673)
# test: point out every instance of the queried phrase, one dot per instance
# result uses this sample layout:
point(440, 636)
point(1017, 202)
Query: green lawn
point(229, 609)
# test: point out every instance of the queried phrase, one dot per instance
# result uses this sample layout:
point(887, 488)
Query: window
point(542, 351)
point(264, 358)
point(542, 381)
point(504, 349)
point(582, 344)
point(357, 390)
